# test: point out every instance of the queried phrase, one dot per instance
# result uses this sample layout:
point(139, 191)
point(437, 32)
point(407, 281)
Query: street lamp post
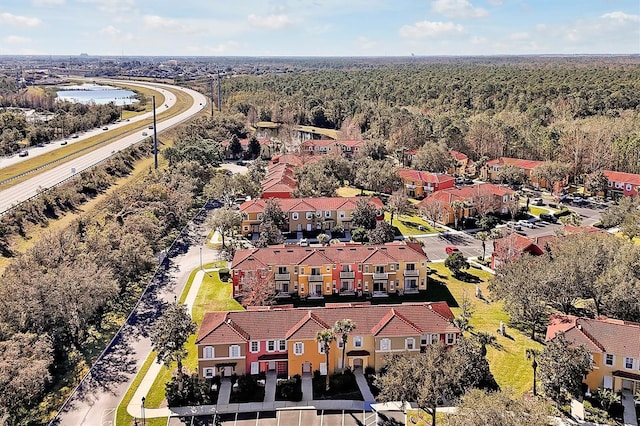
point(201, 258)
point(155, 136)
point(142, 409)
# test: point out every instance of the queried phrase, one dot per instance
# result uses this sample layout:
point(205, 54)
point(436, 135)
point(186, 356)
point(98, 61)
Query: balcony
point(381, 276)
point(283, 277)
point(411, 273)
point(411, 290)
point(347, 274)
point(282, 294)
point(316, 278)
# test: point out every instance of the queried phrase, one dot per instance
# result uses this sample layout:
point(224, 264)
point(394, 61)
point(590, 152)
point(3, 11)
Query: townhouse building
point(306, 214)
point(343, 269)
point(418, 184)
point(477, 199)
point(614, 346)
point(622, 184)
point(282, 339)
point(491, 170)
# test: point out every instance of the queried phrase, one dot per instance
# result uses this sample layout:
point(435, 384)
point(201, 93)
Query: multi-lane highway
point(30, 187)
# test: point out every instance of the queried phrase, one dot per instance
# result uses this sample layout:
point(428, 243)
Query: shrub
point(290, 389)
point(195, 391)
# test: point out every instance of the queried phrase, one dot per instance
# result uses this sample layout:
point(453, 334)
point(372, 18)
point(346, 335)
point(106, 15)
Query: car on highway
point(452, 249)
point(64, 142)
point(105, 128)
point(144, 133)
point(74, 136)
point(23, 154)
point(151, 127)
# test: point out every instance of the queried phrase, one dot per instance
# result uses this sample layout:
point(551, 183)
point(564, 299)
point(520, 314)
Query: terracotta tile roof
point(425, 177)
point(621, 338)
point(518, 162)
point(631, 178)
point(351, 143)
point(465, 193)
point(318, 142)
point(309, 204)
point(303, 323)
point(458, 155)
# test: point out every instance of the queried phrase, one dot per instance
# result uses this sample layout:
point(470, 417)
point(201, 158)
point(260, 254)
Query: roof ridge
point(588, 335)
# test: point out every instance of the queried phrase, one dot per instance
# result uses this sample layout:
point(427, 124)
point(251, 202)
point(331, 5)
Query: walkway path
point(135, 405)
point(364, 386)
point(270, 387)
point(307, 387)
point(629, 416)
point(225, 391)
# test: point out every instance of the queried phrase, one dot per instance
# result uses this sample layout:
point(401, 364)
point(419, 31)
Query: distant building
point(418, 184)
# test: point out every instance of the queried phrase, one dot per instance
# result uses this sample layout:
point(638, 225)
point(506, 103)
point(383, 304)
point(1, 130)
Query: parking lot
point(293, 417)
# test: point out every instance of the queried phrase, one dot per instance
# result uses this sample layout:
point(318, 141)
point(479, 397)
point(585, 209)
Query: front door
point(309, 226)
point(255, 367)
point(357, 363)
point(272, 365)
point(306, 367)
point(299, 227)
point(228, 371)
point(608, 382)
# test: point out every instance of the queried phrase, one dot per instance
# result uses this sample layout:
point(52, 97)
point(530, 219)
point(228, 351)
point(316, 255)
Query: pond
point(95, 93)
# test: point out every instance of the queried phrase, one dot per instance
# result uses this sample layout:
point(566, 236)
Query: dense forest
point(586, 114)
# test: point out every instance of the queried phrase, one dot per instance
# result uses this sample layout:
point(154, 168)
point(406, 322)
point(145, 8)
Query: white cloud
point(519, 36)
point(272, 22)
point(48, 2)
point(428, 29)
point(461, 9)
point(155, 22)
point(364, 43)
point(495, 2)
point(621, 17)
point(13, 39)
point(115, 7)
point(22, 21)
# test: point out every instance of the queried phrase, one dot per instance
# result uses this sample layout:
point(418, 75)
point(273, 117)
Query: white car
point(303, 242)
point(514, 225)
point(526, 224)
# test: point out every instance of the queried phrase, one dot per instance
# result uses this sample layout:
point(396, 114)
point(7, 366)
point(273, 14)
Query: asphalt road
point(94, 402)
point(30, 187)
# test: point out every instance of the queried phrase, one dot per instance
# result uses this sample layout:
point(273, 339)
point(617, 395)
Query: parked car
point(452, 249)
point(23, 154)
point(548, 217)
point(74, 136)
point(537, 202)
point(526, 224)
point(64, 142)
point(303, 242)
point(514, 225)
point(105, 128)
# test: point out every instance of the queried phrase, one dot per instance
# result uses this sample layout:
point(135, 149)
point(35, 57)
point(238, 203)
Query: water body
point(94, 93)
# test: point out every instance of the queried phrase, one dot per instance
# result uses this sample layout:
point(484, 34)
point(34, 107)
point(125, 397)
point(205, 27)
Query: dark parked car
point(547, 217)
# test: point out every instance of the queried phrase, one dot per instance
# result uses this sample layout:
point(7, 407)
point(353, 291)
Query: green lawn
point(508, 364)
point(214, 295)
point(410, 224)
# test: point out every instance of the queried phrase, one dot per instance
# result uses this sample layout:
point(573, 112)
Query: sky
point(318, 27)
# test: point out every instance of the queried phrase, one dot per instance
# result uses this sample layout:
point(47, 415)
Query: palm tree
point(457, 206)
point(532, 354)
point(485, 339)
point(325, 337)
point(483, 236)
point(342, 328)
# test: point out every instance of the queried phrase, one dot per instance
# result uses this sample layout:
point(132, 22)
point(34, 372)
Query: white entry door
point(608, 382)
point(255, 367)
point(323, 368)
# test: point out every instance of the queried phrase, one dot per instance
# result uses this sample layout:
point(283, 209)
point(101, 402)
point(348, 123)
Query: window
point(298, 348)
point(234, 351)
point(411, 267)
point(327, 213)
point(271, 345)
point(628, 363)
point(283, 345)
point(207, 372)
point(435, 338)
point(385, 344)
point(282, 269)
point(392, 266)
point(380, 269)
point(207, 353)
point(410, 343)
point(255, 346)
point(320, 347)
point(608, 359)
point(294, 215)
point(340, 342)
point(451, 338)
point(309, 215)
point(357, 341)
point(342, 215)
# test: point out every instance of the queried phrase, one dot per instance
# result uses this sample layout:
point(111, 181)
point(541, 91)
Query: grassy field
point(74, 150)
point(410, 225)
point(508, 363)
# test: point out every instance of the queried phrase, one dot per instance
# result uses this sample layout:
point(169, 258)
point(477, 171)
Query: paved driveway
point(294, 417)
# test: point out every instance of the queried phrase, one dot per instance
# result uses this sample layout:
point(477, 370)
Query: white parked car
point(526, 224)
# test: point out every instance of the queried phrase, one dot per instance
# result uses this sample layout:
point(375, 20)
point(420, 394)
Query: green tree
point(169, 335)
point(375, 149)
point(483, 236)
point(432, 157)
point(342, 328)
point(551, 171)
point(253, 148)
point(365, 214)
point(615, 214)
point(398, 204)
point(597, 182)
point(485, 339)
point(630, 226)
point(235, 148)
point(258, 290)
point(458, 211)
point(273, 213)
point(206, 152)
point(382, 233)
point(456, 262)
point(225, 220)
point(269, 234)
point(325, 337)
point(562, 368)
point(510, 174)
point(323, 238)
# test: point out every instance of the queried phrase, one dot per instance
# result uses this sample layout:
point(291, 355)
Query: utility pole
point(219, 93)
point(211, 90)
point(155, 136)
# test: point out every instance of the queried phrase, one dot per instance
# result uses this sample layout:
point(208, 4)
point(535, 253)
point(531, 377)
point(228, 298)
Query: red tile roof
point(309, 204)
point(426, 177)
point(465, 193)
point(304, 323)
point(459, 156)
point(248, 259)
point(518, 162)
point(622, 177)
point(621, 338)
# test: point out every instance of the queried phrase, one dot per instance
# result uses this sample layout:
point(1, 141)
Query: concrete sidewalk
point(225, 391)
point(307, 387)
point(270, 387)
point(363, 386)
point(629, 415)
